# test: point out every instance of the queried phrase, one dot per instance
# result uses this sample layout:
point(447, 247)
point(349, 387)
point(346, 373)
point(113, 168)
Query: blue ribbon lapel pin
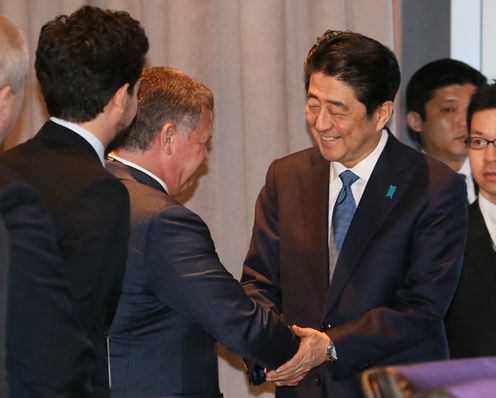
point(391, 191)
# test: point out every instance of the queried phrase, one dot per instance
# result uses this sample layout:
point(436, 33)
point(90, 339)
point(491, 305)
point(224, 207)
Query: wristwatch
point(332, 355)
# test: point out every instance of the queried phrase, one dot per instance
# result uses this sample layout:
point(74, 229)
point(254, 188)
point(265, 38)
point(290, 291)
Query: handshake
point(313, 351)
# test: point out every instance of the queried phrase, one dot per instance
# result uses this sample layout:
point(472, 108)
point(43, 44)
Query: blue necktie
point(344, 209)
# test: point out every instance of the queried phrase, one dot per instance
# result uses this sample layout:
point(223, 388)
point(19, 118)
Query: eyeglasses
point(478, 142)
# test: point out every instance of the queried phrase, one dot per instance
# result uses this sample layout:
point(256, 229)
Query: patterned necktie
point(344, 209)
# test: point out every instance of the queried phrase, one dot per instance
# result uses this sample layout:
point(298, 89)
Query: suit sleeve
point(96, 247)
point(261, 273)
point(433, 267)
point(184, 271)
point(48, 353)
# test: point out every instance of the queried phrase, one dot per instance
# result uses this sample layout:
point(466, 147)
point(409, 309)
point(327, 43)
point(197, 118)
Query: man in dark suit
point(437, 97)
point(177, 298)
point(374, 283)
point(88, 65)
point(471, 319)
point(47, 352)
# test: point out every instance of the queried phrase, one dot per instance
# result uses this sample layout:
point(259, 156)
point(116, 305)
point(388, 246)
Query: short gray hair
point(14, 58)
point(165, 95)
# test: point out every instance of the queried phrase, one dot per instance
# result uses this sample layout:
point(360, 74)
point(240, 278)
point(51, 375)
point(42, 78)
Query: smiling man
point(358, 240)
point(471, 319)
point(437, 97)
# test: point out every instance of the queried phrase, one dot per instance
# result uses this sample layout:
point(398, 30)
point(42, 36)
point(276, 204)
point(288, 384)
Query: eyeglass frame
point(468, 142)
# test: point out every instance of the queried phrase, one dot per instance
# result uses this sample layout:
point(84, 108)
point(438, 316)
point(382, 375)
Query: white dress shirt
point(363, 170)
point(466, 171)
point(137, 167)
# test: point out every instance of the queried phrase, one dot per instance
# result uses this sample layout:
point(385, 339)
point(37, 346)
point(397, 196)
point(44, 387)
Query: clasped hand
point(311, 353)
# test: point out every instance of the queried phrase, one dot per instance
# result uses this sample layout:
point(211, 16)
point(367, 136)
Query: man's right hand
point(311, 353)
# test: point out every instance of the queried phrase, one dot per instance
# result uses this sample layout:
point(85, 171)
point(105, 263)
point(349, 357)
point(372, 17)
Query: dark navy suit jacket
point(177, 300)
point(90, 210)
point(395, 276)
point(47, 352)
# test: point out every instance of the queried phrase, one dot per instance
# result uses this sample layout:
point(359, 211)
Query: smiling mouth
point(329, 139)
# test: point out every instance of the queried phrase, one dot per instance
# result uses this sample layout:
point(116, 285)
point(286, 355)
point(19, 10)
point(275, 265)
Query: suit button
point(317, 379)
point(324, 326)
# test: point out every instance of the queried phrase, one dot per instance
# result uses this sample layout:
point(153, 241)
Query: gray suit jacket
point(177, 300)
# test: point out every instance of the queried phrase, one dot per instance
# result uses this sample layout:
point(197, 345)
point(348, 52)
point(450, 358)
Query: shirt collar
point(466, 172)
point(465, 169)
point(138, 167)
point(95, 143)
point(365, 167)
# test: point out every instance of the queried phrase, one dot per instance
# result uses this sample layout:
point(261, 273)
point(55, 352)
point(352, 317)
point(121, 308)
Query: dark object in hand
point(256, 374)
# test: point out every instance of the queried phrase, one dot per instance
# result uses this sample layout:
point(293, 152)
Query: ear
point(383, 114)
point(167, 137)
point(414, 121)
point(120, 98)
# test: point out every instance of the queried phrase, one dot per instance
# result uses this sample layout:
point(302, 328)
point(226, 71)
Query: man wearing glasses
point(471, 319)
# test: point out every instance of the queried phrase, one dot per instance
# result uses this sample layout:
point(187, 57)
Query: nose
point(490, 152)
point(323, 121)
point(462, 119)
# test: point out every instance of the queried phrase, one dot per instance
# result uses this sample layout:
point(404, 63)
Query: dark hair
point(369, 67)
point(484, 98)
point(437, 74)
point(84, 58)
point(165, 95)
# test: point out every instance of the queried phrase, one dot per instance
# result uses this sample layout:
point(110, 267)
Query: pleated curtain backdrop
point(250, 53)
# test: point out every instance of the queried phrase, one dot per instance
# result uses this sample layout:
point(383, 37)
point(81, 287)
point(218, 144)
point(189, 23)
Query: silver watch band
point(332, 355)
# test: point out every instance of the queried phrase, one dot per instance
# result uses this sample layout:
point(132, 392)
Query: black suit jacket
point(4, 267)
point(48, 354)
point(90, 209)
point(177, 300)
point(471, 319)
point(396, 273)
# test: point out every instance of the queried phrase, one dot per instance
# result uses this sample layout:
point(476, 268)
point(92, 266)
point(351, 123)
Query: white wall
point(473, 34)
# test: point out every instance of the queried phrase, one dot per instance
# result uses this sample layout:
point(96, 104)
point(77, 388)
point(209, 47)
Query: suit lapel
point(315, 204)
point(391, 172)
point(61, 135)
point(479, 250)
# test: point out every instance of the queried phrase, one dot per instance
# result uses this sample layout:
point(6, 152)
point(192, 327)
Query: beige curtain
point(250, 53)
